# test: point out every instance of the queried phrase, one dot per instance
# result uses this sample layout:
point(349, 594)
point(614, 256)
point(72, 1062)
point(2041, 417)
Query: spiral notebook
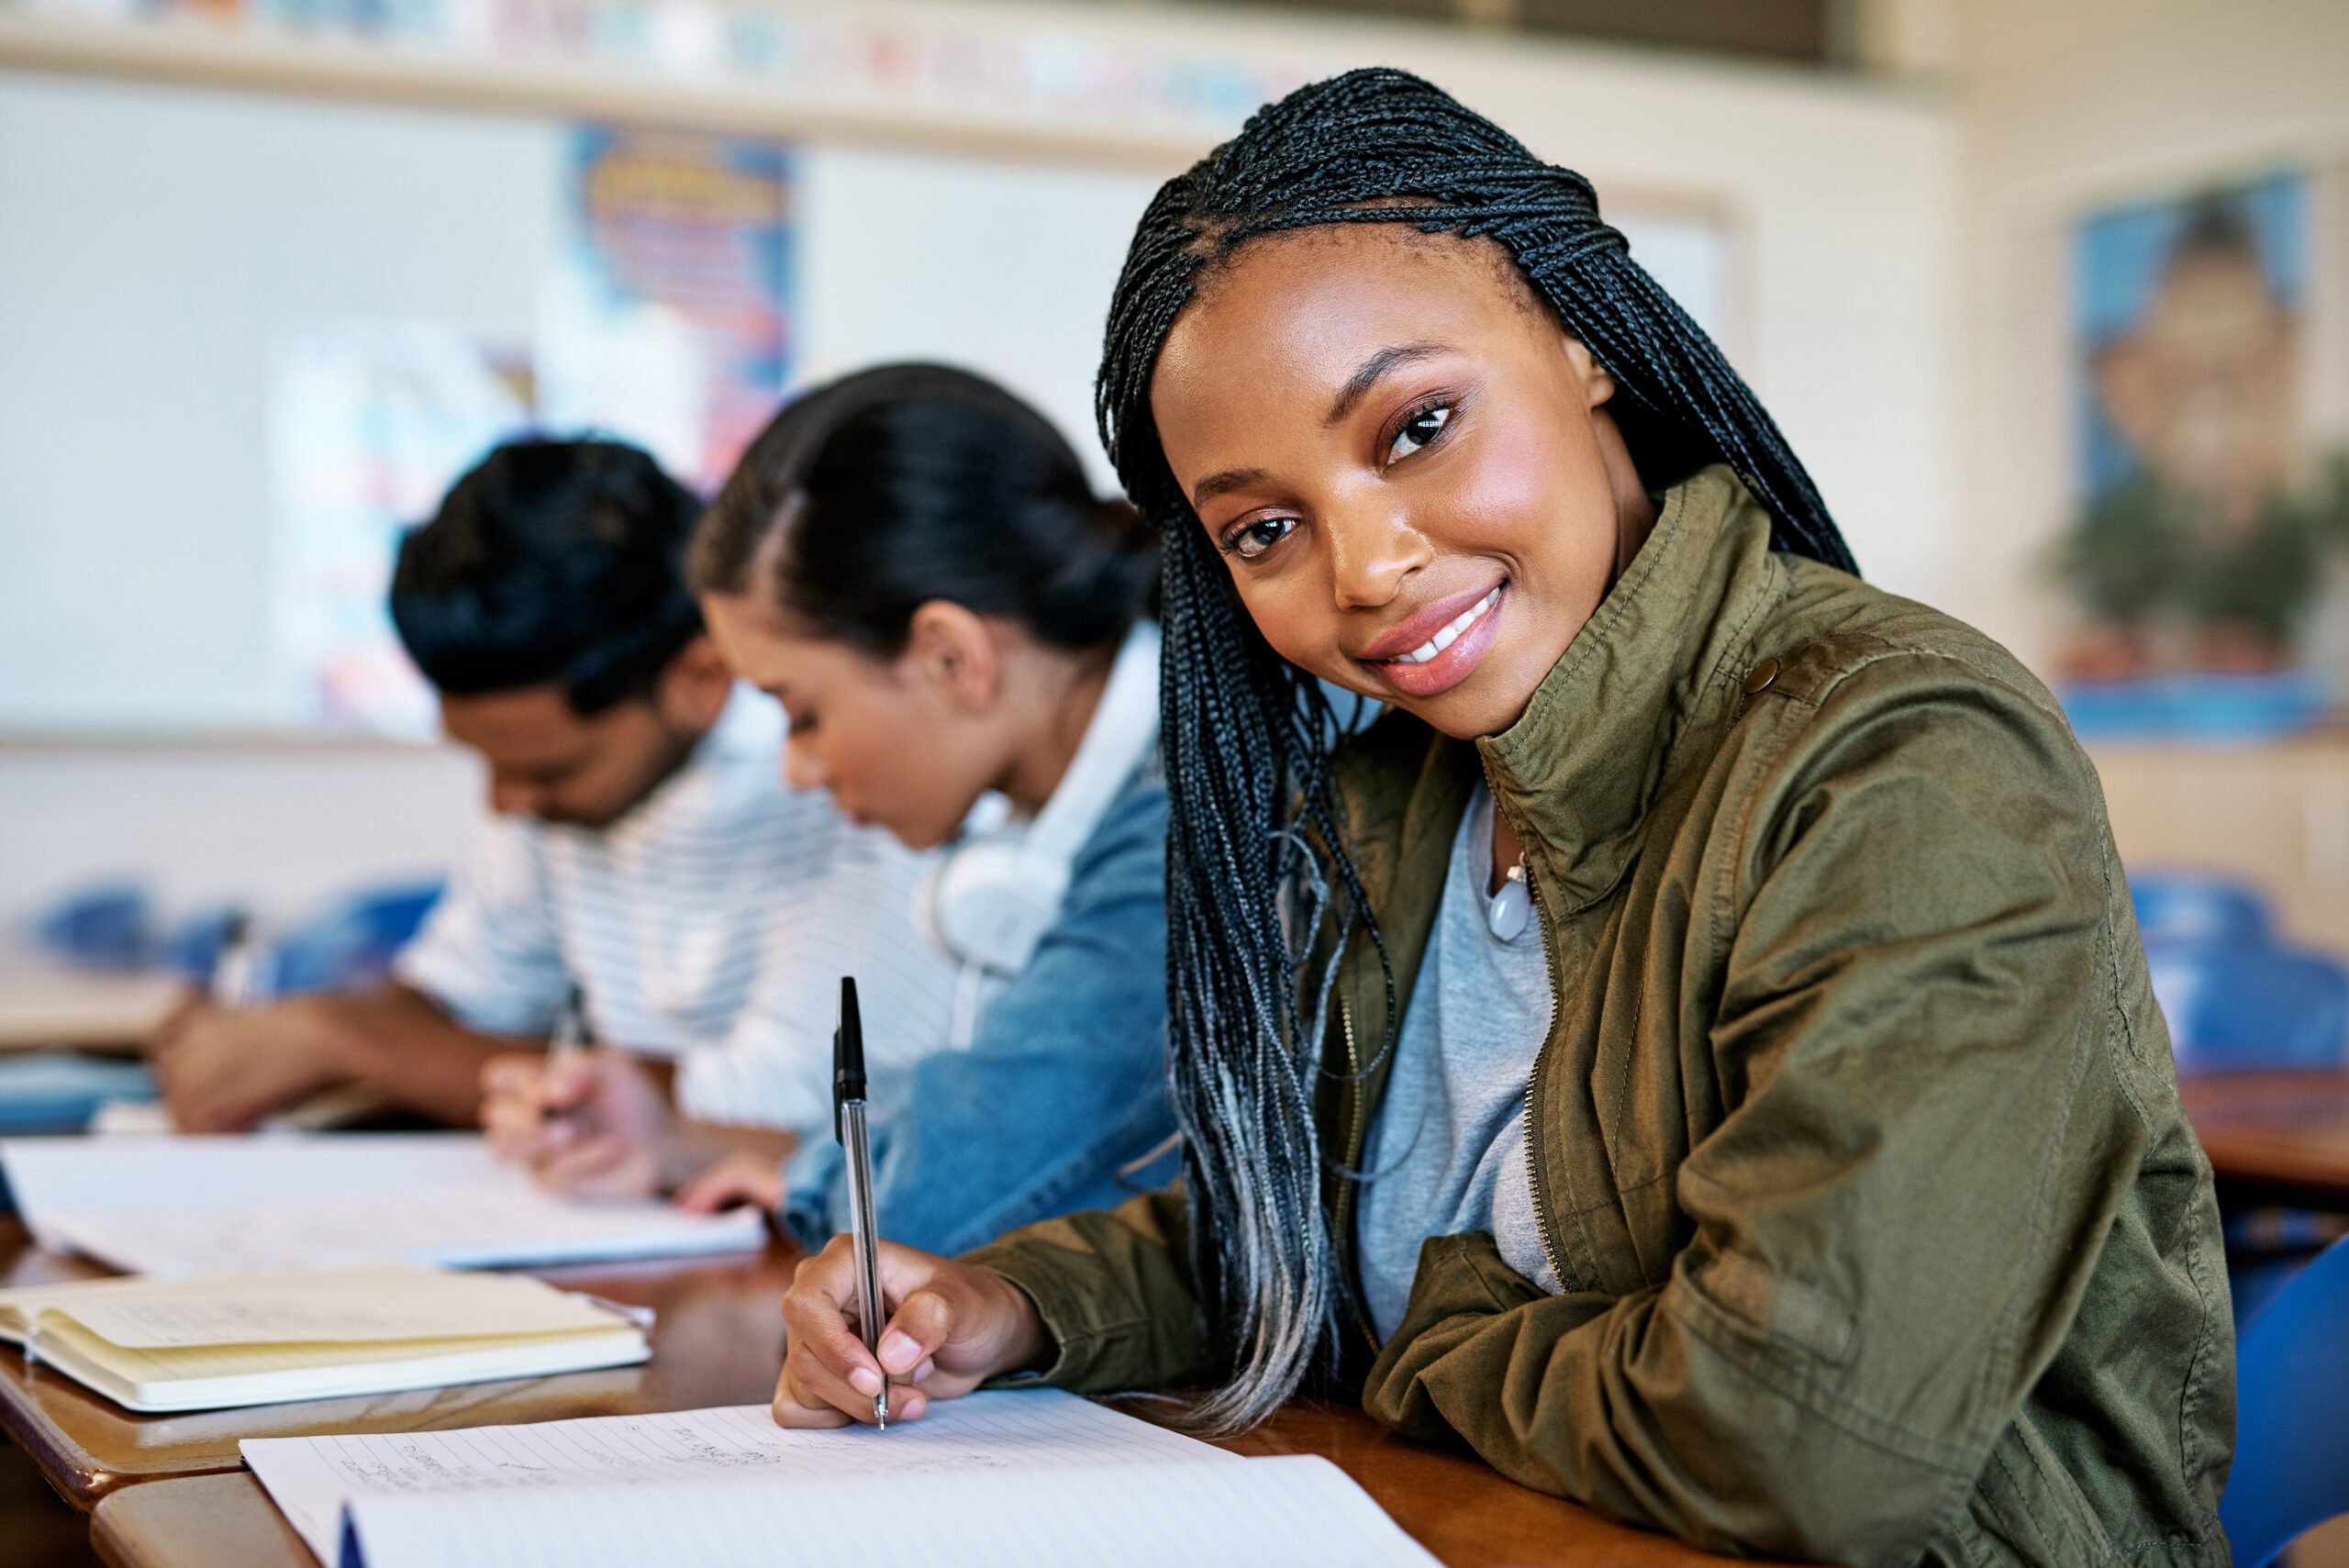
point(217, 1341)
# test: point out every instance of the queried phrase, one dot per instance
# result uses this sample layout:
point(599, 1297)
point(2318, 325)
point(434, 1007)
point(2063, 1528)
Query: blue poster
point(668, 319)
point(2189, 324)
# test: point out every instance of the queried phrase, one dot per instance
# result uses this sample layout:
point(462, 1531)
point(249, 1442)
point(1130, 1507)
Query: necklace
point(1508, 911)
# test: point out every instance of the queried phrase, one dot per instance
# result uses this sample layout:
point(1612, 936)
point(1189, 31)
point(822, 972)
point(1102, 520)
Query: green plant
point(2125, 556)
point(2144, 553)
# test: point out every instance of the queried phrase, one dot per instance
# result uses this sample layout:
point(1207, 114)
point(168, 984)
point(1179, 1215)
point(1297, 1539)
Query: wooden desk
point(44, 1003)
point(1451, 1503)
point(718, 1342)
point(2274, 1138)
point(2271, 1136)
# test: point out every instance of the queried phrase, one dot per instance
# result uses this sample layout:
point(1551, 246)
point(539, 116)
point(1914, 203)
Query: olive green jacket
point(1854, 1139)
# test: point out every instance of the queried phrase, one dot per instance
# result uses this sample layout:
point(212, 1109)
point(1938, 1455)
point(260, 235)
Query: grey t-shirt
point(1447, 1152)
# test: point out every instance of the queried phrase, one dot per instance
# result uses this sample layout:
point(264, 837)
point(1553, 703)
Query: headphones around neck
point(990, 898)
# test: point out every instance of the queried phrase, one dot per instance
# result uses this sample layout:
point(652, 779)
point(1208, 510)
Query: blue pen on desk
point(848, 1126)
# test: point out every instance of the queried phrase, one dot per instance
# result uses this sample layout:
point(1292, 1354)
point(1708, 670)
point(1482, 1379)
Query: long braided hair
point(1257, 853)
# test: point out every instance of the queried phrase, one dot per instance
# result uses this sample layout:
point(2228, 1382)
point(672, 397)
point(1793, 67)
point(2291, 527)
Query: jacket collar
point(1579, 769)
point(1577, 772)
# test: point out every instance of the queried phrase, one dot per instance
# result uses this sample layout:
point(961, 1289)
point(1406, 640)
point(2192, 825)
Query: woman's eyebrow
point(1215, 485)
point(1367, 374)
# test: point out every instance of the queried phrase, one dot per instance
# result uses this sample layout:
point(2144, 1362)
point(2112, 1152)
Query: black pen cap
point(848, 1047)
point(574, 1017)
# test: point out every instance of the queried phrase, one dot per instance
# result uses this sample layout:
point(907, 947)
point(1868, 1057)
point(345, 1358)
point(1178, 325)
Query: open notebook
point(1030, 1479)
point(176, 1205)
point(199, 1343)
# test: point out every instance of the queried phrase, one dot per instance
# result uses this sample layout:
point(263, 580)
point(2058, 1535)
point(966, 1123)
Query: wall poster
point(663, 318)
point(2201, 548)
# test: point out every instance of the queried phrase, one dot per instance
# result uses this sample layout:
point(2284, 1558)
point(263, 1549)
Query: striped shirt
point(712, 924)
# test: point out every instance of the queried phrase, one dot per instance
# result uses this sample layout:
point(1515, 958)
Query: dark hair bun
point(897, 485)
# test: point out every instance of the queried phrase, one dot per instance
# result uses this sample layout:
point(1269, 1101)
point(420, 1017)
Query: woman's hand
point(952, 1326)
point(742, 1178)
point(591, 1124)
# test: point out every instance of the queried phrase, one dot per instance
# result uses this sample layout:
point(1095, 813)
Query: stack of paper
point(1019, 1480)
point(177, 1205)
point(189, 1344)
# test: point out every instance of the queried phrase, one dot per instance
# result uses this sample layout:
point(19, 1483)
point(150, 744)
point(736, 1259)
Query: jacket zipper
point(1354, 1098)
point(1353, 1070)
point(1533, 1079)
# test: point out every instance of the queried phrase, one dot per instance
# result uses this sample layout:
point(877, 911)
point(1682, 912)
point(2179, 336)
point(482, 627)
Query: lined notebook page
point(176, 1205)
point(505, 1222)
point(311, 1478)
point(87, 1176)
point(1297, 1511)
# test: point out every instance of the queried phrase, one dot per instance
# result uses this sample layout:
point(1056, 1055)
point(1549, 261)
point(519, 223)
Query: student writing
point(640, 843)
point(913, 563)
point(1807, 1176)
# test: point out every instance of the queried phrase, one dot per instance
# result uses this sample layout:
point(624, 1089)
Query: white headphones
point(991, 897)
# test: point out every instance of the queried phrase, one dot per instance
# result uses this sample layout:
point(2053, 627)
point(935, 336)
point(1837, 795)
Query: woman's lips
point(1416, 629)
point(1451, 654)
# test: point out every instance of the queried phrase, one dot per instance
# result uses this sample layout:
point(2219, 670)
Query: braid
point(1253, 813)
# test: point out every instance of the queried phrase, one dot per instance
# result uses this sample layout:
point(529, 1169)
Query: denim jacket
point(1064, 1085)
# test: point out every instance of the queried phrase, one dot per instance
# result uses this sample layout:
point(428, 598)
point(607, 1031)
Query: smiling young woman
point(1806, 1177)
point(1377, 425)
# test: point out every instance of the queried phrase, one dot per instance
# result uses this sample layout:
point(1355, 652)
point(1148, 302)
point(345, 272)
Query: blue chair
point(111, 926)
point(2236, 999)
point(351, 943)
point(192, 948)
point(2291, 1469)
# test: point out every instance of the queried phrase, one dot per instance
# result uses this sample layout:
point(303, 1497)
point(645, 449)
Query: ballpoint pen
point(570, 1039)
point(572, 1035)
point(848, 1126)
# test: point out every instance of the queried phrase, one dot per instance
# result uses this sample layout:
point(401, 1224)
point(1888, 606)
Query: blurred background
point(2052, 299)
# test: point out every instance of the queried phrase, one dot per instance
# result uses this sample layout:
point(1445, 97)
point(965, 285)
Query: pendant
point(1508, 911)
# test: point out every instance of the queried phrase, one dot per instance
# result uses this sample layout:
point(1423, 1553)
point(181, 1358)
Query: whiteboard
point(155, 242)
point(151, 241)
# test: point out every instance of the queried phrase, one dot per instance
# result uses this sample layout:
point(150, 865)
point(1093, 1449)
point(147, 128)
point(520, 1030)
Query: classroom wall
point(173, 631)
point(1839, 197)
point(156, 240)
point(278, 827)
point(161, 239)
point(2064, 108)
point(1842, 189)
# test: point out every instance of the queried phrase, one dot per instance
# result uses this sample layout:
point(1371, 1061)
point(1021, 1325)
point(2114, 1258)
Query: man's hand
point(222, 1070)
